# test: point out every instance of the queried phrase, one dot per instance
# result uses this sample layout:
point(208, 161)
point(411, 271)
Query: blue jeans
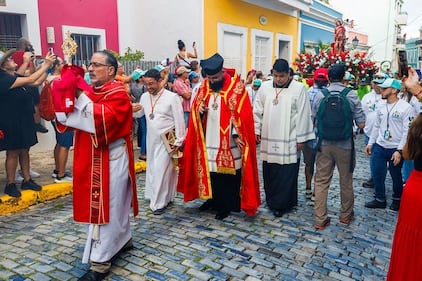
point(380, 156)
point(142, 134)
point(407, 169)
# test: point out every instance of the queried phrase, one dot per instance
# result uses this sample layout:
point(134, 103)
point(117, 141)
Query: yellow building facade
point(249, 36)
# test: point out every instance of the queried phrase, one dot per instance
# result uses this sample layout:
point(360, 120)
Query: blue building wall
point(315, 29)
point(323, 8)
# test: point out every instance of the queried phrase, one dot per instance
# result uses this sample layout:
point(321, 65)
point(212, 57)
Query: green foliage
point(113, 53)
point(323, 46)
point(129, 55)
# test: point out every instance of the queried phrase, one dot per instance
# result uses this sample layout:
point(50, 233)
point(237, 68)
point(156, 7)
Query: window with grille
point(10, 30)
point(87, 46)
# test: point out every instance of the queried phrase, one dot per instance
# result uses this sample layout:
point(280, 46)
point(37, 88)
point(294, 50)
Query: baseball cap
point(257, 82)
point(391, 83)
point(379, 78)
point(193, 75)
point(348, 76)
point(159, 67)
point(181, 69)
point(321, 74)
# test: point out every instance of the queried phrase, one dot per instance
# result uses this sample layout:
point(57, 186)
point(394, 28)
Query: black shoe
point(12, 190)
point(278, 213)
point(222, 215)
point(395, 205)
point(207, 205)
point(30, 185)
point(369, 183)
point(92, 275)
point(159, 211)
point(375, 204)
point(40, 128)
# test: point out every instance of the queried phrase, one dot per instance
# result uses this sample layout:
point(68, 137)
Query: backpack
point(46, 106)
point(334, 116)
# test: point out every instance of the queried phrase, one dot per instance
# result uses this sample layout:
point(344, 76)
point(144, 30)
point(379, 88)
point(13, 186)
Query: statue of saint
point(339, 36)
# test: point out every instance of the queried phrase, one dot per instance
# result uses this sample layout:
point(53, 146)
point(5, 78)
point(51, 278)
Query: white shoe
point(65, 178)
point(32, 174)
point(18, 177)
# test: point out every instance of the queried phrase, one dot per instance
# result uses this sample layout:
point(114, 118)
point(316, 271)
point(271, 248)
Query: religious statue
point(339, 37)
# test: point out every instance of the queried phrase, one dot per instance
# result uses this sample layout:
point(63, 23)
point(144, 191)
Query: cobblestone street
point(43, 243)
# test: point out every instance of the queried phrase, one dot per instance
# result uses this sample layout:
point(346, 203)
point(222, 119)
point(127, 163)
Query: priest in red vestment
point(219, 157)
point(104, 184)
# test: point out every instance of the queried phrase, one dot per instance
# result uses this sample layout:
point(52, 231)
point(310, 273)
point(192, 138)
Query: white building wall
point(157, 25)
point(28, 9)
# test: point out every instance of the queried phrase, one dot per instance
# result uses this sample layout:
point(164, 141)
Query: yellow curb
point(9, 204)
point(140, 166)
point(54, 190)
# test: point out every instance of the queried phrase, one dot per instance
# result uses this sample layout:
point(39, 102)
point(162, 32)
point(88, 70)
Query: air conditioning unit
point(401, 19)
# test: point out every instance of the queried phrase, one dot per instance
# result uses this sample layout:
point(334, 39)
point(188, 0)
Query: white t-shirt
point(392, 124)
point(416, 105)
point(369, 106)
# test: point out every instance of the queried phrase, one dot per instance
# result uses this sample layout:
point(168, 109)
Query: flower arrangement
point(357, 64)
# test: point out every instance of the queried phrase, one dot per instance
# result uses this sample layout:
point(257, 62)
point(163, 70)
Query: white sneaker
point(32, 174)
point(66, 173)
point(18, 177)
point(65, 178)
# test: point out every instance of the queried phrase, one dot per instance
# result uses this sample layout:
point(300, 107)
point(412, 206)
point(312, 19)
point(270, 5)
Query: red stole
point(91, 178)
point(235, 107)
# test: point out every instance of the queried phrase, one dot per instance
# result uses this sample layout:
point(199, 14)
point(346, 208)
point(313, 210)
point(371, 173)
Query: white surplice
point(282, 125)
point(105, 241)
point(161, 177)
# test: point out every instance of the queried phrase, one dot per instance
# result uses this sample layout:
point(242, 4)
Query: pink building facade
point(93, 25)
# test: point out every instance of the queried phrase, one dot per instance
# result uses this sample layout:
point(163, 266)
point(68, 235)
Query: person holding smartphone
point(16, 120)
point(183, 57)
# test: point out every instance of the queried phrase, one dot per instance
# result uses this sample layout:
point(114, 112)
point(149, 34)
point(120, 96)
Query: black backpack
point(334, 116)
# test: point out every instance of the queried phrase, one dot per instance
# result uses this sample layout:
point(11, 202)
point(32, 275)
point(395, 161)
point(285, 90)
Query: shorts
point(63, 139)
point(309, 155)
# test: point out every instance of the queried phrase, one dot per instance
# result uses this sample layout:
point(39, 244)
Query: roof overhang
point(288, 7)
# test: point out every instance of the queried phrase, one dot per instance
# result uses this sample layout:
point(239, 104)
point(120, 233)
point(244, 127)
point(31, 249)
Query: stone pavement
point(43, 243)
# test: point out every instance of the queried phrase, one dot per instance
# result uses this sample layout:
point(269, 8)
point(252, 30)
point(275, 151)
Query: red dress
point(406, 254)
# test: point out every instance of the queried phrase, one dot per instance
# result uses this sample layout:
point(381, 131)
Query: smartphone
point(193, 44)
point(403, 66)
point(51, 50)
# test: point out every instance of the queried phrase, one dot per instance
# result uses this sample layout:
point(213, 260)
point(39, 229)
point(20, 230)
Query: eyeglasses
point(97, 64)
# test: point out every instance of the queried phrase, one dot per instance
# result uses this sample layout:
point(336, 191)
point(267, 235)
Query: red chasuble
point(112, 112)
point(194, 177)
